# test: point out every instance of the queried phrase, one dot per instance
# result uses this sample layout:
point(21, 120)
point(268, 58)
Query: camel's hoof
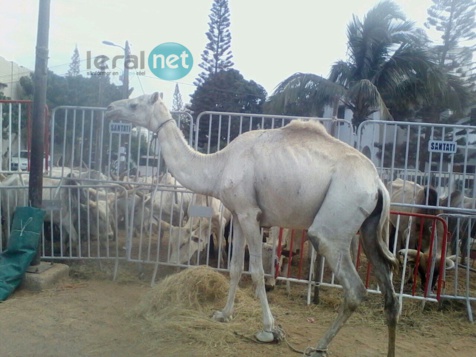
point(265, 336)
point(269, 287)
point(276, 335)
point(220, 317)
point(319, 353)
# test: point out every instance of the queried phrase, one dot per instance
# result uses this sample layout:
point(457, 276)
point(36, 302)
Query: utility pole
point(125, 75)
point(35, 188)
point(125, 83)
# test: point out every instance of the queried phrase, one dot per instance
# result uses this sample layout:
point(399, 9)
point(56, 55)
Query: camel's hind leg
point(382, 270)
point(333, 241)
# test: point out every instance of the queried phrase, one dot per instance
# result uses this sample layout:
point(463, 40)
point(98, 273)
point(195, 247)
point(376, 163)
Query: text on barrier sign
point(120, 128)
point(448, 147)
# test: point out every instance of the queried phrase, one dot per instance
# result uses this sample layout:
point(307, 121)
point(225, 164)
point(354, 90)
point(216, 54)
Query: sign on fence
point(447, 147)
point(120, 128)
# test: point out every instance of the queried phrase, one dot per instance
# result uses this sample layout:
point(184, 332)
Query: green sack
point(21, 248)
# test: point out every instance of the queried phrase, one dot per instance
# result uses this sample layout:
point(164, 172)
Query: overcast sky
point(270, 39)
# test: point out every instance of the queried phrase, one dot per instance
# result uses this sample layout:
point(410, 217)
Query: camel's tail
point(383, 227)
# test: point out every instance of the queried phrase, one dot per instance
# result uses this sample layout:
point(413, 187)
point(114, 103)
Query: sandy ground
point(90, 315)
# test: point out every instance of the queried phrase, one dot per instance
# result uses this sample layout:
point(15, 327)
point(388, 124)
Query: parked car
point(20, 162)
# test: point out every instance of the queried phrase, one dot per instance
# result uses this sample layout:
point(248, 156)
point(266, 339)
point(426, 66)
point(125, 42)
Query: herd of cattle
point(84, 206)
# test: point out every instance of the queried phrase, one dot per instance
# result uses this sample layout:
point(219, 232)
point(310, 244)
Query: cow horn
point(409, 252)
point(92, 192)
point(165, 225)
point(452, 257)
point(449, 264)
point(140, 193)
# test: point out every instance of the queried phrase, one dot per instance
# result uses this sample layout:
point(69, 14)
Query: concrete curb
point(44, 276)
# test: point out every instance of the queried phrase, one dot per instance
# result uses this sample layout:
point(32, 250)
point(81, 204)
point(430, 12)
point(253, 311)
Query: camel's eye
point(133, 106)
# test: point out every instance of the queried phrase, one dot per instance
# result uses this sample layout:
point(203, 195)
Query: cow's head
point(184, 242)
point(272, 265)
point(98, 217)
point(425, 263)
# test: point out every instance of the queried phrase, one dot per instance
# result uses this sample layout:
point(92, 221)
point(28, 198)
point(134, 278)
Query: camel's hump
point(306, 125)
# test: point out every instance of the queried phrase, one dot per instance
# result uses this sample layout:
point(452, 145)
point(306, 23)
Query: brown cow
point(410, 227)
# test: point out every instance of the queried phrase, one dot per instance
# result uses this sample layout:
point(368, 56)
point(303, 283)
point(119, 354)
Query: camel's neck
point(196, 171)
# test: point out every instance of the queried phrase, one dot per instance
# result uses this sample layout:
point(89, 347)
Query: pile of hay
point(179, 309)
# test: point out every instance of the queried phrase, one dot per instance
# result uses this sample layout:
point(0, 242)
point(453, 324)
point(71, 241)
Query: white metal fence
point(113, 166)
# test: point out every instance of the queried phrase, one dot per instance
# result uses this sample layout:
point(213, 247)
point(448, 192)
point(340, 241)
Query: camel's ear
point(153, 98)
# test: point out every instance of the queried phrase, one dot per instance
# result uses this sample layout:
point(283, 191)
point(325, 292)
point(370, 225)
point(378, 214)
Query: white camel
point(297, 176)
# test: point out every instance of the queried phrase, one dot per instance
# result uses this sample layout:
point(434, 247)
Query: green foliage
point(177, 104)
point(178, 108)
point(226, 91)
point(74, 67)
point(78, 90)
point(96, 91)
point(27, 86)
point(217, 54)
point(303, 94)
point(389, 69)
point(455, 20)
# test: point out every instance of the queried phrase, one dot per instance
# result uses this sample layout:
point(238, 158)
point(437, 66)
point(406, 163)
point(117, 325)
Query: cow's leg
point(236, 268)
point(69, 236)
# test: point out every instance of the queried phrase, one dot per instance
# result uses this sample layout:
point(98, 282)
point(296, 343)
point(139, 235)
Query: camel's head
point(147, 111)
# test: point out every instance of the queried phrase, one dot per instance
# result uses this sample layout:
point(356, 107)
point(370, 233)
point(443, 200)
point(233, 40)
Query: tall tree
point(182, 119)
point(389, 68)
point(74, 66)
point(455, 19)
point(225, 91)
point(217, 54)
point(177, 103)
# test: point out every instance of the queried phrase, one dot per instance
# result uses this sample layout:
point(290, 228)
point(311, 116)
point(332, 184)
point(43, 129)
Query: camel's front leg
point(257, 274)
point(236, 269)
point(251, 230)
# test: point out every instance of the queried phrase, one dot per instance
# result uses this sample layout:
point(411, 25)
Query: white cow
point(194, 235)
point(77, 213)
point(169, 201)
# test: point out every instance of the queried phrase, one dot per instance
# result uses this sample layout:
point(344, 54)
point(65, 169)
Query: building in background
point(10, 74)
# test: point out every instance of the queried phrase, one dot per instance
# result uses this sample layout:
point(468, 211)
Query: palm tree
point(389, 67)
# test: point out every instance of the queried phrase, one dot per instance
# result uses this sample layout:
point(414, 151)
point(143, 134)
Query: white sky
point(270, 39)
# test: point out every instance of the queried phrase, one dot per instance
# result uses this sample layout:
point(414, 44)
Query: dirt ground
point(90, 315)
